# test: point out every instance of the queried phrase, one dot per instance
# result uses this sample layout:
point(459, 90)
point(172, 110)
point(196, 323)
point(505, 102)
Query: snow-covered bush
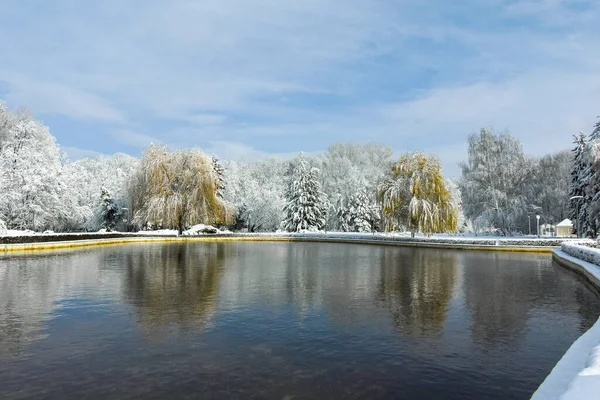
point(579, 249)
point(3, 229)
point(200, 229)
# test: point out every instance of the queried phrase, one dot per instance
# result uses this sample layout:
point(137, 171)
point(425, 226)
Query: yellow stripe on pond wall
point(47, 246)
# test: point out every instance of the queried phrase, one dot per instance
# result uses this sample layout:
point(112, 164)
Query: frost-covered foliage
point(361, 214)
point(578, 211)
point(31, 172)
point(307, 205)
point(415, 196)
point(219, 171)
point(258, 191)
point(585, 182)
point(349, 169)
point(42, 190)
point(549, 188)
point(462, 224)
point(176, 190)
point(3, 228)
point(110, 213)
point(88, 176)
point(494, 181)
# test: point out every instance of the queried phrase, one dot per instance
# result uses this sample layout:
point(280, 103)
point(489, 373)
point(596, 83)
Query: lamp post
point(538, 224)
point(578, 203)
point(529, 223)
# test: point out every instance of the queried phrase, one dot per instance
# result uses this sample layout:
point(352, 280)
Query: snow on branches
point(307, 205)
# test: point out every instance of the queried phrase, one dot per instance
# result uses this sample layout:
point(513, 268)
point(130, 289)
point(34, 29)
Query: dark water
point(285, 321)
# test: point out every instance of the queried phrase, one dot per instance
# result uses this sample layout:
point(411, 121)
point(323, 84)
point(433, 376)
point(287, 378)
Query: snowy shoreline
point(577, 373)
point(491, 242)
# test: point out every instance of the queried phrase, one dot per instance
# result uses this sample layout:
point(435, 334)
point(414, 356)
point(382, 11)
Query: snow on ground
point(200, 229)
point(577, 374)
point(439, 238)
point(159, 232)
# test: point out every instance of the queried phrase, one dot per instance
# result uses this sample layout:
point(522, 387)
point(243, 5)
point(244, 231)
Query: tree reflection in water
point(416, 286)
point(174, 287)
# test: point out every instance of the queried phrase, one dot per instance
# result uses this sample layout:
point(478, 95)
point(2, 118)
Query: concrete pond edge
point(577, 373)
point(480, 244)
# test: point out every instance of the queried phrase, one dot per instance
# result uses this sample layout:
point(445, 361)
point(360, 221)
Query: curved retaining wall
point(61, 241)
point(577, 374)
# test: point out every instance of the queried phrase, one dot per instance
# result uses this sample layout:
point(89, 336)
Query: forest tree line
point(352, 187)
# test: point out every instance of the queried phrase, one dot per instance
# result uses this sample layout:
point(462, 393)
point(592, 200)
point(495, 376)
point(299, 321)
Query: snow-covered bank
point(202, 230)
point(579, 250)
point(577, 374)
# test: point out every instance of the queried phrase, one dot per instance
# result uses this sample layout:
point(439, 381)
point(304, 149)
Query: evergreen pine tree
point(591, 181)
point(342, 210)
point(578, 168)
point(240, 218)
point(110, 211)
point(364, 214)
point(307, 205)
point(219, 172)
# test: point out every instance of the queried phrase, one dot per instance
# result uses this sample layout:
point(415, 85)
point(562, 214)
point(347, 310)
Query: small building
point(565, 228)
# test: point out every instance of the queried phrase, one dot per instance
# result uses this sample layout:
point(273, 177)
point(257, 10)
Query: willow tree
point(178, 189)
point(414, 196)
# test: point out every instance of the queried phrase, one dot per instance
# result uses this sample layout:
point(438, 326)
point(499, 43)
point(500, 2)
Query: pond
point(285, 321)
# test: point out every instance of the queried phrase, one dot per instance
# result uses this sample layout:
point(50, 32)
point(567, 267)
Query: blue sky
point(245, 78)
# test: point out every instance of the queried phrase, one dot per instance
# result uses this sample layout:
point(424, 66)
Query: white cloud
point(46, 97)
point(134, 139)
point(207, 119)
point(75, 153)
point(235, 74)
point(541, 108)
point(231, 150)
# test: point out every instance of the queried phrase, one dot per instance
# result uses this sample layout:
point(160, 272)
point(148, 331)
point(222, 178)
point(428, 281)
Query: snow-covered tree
point(85, 179)
point(415, 197)
point(361, 214)
point(219, 173)
point(349, 169)
point(307, 205)
point(589, 211)
point(257, 189)
point(548, 190)
point(110, 212)
point(456, 200)
point(576, 187)
point(494, 180)
point(30, 171)
point(177, 190)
